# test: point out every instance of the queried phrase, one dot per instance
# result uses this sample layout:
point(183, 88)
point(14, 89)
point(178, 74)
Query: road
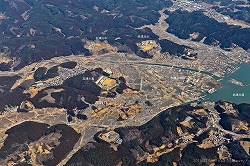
point(239, 136)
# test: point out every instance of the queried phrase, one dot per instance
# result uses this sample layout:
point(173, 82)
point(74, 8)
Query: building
point(39, 84)
point(108, 70)
point(188, 119)
point(111, 137)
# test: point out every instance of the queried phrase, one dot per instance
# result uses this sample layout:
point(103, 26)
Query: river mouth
point(232, 92)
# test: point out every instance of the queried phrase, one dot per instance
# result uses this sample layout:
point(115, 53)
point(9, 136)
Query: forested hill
point(35, 30)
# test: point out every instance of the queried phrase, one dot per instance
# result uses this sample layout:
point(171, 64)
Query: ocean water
point(231, 92)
